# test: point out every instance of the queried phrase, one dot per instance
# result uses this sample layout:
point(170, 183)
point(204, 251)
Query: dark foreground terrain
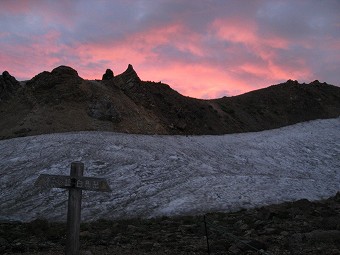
point(300, 227)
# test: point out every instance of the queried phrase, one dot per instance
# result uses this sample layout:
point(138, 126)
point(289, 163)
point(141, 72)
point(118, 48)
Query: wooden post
point(75, 183)
point(206, 234)
point(73, 213)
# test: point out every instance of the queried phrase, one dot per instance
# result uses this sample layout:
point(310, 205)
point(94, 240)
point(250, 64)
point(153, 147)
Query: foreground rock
point(300, 227)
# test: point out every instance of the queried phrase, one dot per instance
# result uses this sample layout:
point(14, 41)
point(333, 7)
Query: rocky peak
point(317, 82)
point(130, 75)
point(6, 75)
point(130, 68)
point(292, 82)
point(60, 75)
point(108, 75)
point(8, 85)
point(64, 71)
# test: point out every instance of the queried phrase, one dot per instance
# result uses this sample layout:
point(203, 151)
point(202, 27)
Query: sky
point(201, 48)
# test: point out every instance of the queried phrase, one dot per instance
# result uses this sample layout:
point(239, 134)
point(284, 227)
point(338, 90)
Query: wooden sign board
point(80, 182)
point(75, 183)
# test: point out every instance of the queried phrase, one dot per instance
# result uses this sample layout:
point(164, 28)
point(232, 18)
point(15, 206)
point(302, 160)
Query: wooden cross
point(75, 183)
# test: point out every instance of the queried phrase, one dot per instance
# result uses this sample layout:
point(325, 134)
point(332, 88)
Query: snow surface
point(171, 175)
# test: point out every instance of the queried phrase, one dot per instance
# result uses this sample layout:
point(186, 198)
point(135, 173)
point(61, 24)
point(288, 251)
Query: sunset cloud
point(201, 48)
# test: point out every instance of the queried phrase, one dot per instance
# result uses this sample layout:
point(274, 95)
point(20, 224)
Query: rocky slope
point(60, 101)
point(300, 227)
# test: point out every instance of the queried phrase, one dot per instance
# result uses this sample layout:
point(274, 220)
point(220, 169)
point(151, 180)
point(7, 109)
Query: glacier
point(156, 175)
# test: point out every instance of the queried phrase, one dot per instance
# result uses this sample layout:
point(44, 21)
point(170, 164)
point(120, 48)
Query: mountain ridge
point(62, 101)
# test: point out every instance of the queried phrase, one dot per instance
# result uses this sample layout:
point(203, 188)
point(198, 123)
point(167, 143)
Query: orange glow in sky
point(202, 49)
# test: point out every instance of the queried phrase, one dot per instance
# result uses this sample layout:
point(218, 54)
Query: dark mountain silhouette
point(8, 86)
point(61, 101)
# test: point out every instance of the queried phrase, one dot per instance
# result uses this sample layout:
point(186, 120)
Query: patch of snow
point(152, 176)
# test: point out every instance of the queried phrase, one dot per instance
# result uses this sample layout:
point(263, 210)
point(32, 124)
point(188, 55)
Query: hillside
point(61, 101)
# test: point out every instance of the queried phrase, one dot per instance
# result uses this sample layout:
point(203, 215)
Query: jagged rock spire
point(108, 75)
point(130, 74)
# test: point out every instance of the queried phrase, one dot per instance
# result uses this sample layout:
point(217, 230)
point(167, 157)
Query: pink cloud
point(15, 7)
point(196, 80)
point(201, 52)
point(268, 48)
point(199, 81)
point(235, 30)
point(27, 60)
point(136, 49)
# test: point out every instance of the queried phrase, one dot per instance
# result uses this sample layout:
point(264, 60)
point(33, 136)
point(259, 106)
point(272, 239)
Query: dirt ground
point(300, 227)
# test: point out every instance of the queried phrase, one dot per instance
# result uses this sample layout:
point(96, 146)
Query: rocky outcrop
point(108, 75)
point(65, 71)
point(8, 86)
point(104, 110)
point(130, 75)
point(59, 75)
point(52, 88)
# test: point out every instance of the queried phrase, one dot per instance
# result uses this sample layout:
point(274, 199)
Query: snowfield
point(152, 176)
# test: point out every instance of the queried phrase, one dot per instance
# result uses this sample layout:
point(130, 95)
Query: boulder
point(60, 75)
point(8, 86)
point(104, 110)
point(64, 71)
point(108, 75)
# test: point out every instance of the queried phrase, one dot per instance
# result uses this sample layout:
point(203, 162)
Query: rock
point(181, 125)
point(244, 227)
point(86, 253)
point(330, 223)
point(3, 244)
point(270, 231)
point(106, 233)
point(64, 71)
point(147, 245)
point(337, 197)
point(63, 79)
point(328, 236)
point(18, 247)
point(284, 233)
point(85, 234)
point(234, 249)
point(45, 245)
point(38, 227)
point(296, 238)
point(130, 75)
point(117, 238)
point(247, 245)
point(8, 86)
point(292, 82)
point(132, 228)
point(22, 131)
point(316, 82)
point(187, 228)
point(157, 245)
point(104, 110)
point(108, 75)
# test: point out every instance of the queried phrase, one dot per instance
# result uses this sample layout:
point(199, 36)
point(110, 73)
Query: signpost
point(75, 183)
